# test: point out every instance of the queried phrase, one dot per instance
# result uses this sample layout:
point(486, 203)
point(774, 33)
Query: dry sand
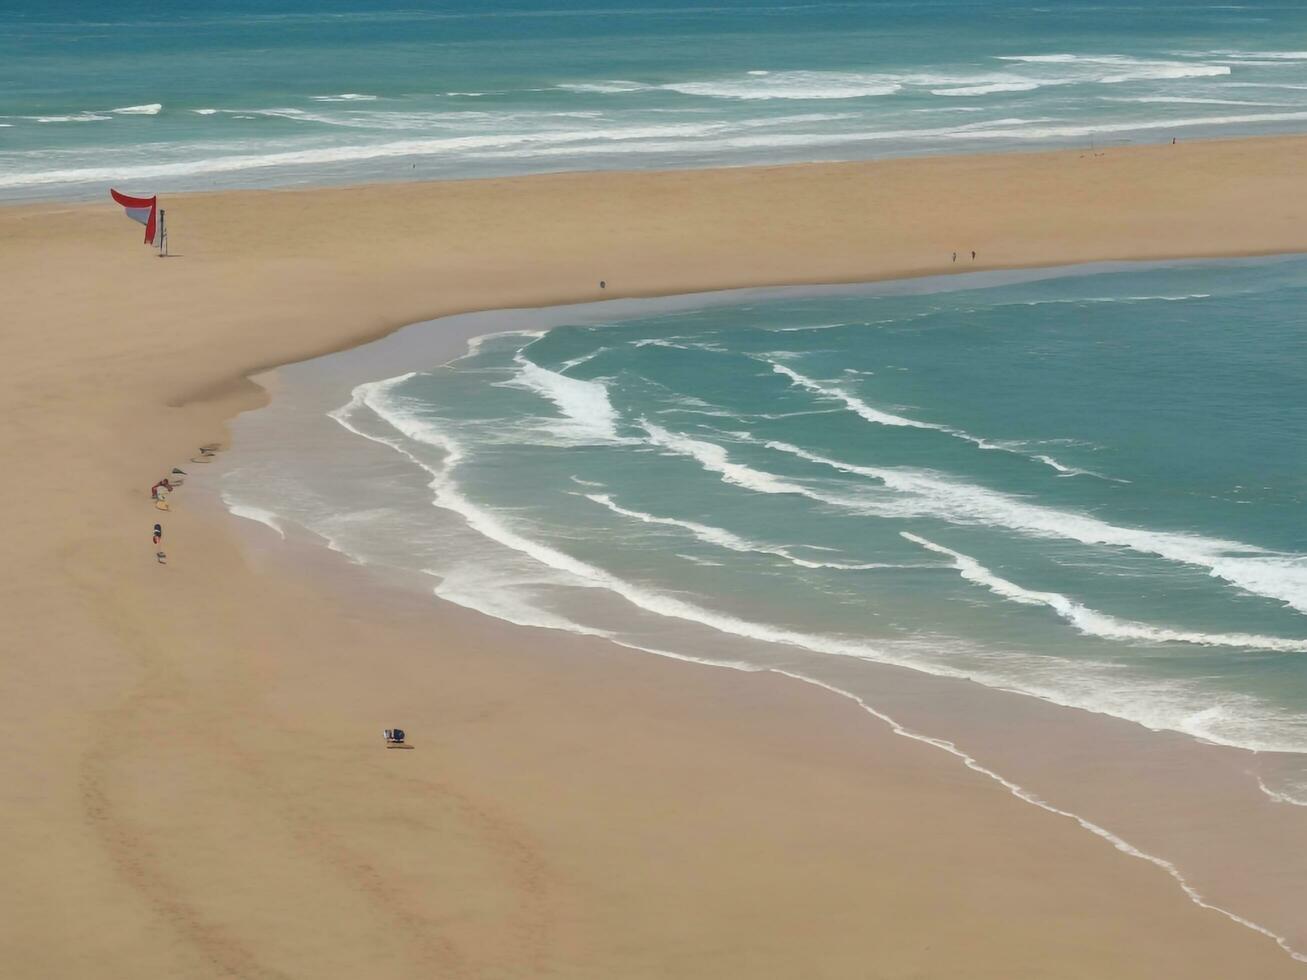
point(194, 785)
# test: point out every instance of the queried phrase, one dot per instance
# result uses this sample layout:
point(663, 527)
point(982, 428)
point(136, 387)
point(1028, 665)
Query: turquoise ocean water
point(155, 96)
point(1087, 487)
point(1084, 486)
point(970, 503)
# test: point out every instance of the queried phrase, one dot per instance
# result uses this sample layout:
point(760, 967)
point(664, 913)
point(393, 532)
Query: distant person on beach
point(603, 284)
point(973, 255)
point(158, 533)
point(955, 256)
point(161, 485)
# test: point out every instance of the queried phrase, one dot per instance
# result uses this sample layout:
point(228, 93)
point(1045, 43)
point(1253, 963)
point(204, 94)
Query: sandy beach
point(196, 785)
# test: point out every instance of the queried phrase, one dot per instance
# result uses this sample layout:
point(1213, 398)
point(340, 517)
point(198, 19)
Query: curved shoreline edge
point(430, 344)
point(166, 692)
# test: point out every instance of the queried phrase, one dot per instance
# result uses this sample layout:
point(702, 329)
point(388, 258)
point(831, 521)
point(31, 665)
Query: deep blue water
point(166, 96)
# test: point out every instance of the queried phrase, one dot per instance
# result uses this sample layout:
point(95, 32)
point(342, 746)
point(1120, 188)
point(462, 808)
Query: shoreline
point(1179, 764)
point(169, 733)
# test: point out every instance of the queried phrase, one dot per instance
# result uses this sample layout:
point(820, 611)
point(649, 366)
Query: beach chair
point(393, 736)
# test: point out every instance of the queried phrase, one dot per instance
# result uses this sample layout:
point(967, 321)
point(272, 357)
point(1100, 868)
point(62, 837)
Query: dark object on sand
point(178, 471)
point(161, 558)
point(158, 533)
point(393, 736)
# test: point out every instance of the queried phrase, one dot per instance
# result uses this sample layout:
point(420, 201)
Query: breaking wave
point(1094, 623)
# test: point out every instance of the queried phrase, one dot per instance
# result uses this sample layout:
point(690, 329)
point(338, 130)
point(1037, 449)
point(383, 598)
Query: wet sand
point(196, 784)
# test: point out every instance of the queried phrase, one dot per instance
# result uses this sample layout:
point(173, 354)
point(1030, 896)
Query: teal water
point(1087, 488)
point(971, 504)
point(156, 96)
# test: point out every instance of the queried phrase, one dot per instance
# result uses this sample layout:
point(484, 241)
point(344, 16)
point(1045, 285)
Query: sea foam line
point(1279, 796)
point(1094, 623)
point(588, 414)
point(252, 513)
point(878, 417)
point(1027, 796)
point(723, 538)
point(374, 392)
point(1157, 710)
point(592, 143)
point(1248, 567)
point(364, 394)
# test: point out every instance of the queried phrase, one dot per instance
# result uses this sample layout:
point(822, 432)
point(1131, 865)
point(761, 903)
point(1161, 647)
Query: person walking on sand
point(973, 255)
point(955, 256)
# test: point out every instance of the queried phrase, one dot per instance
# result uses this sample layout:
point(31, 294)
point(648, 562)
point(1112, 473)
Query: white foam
point(1187, 100)
point(1234, 720)
point(1295, 797)
point(1248, 567)
point(474, 344)
point(695, 560)
point(493, 599)
point(658, 342)
point(1077, 300)
point(252, 513)
point(1065, 470)
point(578, 361)
point(375, 396)
point(489, 144)
point(1265, 55)
point(79, 117)
point(990, 88)
point(879, 417)
point(1115, 68)
point(615, 86)
point(809, 327)
point(808, 85)
point(715, 459)
point(344, 97)
point(1147, 72)
point(723, 538)
point(1094, 623)
point(715, 136)
point(1053, 59)
point(1000, 129)
point(1284, 85)
point(1027, 796)
point(588, 415)
point(151, 109)
point(861, 408)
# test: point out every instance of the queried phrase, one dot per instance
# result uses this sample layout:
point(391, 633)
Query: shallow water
point(1036, 491)
point(165, 97)
point(1033, 486)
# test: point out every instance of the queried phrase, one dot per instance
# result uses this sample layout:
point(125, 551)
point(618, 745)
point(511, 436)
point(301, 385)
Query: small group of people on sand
point(159, 494)
point(973, 255)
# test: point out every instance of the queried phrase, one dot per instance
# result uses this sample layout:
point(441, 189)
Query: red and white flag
point(142, 209)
